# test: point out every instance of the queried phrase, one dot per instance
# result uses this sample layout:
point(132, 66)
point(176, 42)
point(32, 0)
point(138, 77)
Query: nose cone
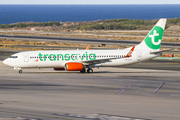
point(6, 62)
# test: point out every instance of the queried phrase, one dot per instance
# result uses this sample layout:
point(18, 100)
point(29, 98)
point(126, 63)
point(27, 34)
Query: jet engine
point(73, 66)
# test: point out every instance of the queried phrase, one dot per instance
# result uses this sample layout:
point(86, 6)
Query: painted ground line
point(125, 88)
point(159, 87)
point(141, 88)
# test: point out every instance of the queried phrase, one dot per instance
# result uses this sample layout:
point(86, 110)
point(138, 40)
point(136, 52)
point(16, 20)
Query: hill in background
point(114, 24)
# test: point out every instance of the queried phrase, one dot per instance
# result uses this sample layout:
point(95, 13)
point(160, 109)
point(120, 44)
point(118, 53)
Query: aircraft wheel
point(90, 70)
point(20, 71)
point(83, 70)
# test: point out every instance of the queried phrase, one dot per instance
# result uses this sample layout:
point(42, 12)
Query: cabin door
point(26, 58)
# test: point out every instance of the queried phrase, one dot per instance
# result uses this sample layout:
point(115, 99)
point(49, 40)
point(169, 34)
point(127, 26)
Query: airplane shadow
point(99, 72)
point(126, 72)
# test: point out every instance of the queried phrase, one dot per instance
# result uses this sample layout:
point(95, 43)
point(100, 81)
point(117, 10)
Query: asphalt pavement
point(82, 40)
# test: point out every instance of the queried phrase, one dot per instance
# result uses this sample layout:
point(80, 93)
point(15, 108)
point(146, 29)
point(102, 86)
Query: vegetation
point(118, 24)
point(125, 24)
point(174, 21)
point(114, 24)
point(31, 24)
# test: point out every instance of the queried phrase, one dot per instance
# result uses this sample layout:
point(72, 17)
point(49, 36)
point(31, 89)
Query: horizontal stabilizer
point(160, 51)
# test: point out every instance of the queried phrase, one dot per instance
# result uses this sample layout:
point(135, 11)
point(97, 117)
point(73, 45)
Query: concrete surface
point(47, 94)
point(81, 40)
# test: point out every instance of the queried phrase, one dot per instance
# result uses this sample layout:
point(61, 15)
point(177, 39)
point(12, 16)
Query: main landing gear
point(83, 70)
point(89, 70)
point(20, 71)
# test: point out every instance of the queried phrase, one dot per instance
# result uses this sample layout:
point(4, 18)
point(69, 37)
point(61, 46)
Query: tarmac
point(81, 40)
point(136, 92)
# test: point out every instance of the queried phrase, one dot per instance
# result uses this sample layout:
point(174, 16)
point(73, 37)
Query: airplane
point(85, 60)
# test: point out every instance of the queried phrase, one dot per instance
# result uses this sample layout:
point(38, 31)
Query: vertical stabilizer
point(153, 40)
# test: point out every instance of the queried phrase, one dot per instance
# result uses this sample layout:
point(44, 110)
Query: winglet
point(130, 52)
point(88, 47)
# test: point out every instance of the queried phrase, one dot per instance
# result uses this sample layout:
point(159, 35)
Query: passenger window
point(13, 56)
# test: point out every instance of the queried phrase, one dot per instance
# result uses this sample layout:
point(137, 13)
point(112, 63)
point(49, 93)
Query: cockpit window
point(13, 56)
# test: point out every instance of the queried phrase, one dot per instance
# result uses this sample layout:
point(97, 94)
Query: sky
point(89, 1)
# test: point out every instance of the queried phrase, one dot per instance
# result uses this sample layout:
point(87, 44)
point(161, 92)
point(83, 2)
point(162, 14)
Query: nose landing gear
point(20, 71)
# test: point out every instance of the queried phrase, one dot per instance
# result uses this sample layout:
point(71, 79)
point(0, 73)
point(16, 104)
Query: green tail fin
point(154, 38)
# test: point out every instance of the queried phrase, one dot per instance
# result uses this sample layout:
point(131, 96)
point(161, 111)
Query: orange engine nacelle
point(59, 69)
point(73, 66)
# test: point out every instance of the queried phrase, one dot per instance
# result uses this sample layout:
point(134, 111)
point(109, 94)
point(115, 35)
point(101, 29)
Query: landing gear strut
point(83, 70)
point(20, 71)
point(89, 70)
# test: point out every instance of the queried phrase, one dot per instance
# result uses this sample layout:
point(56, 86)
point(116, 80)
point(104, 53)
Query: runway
point(108, 93)
point(144, 91)
point(82, 40)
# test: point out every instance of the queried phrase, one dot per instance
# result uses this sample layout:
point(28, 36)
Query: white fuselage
point(58, 58)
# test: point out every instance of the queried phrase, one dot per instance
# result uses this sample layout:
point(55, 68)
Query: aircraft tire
point(20, 71)
point(90, 70)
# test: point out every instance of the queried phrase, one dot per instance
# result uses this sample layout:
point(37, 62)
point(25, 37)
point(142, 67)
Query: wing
point(129, 54)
